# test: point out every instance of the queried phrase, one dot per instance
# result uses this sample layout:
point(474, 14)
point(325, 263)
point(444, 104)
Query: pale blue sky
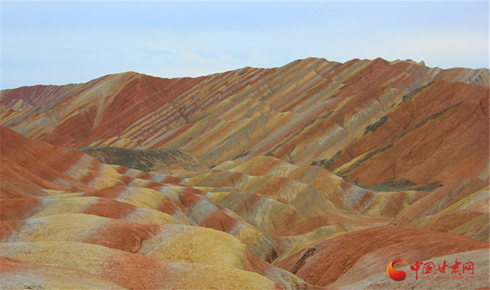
point(70, 42)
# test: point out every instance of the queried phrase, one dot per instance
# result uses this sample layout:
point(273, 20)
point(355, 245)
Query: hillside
point(224, 228)
point(370, 121)
point(315, 175)
point(173, 162)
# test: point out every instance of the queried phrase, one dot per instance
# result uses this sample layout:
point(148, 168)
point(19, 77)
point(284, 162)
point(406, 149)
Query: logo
point(458, 270)
point(397, 275)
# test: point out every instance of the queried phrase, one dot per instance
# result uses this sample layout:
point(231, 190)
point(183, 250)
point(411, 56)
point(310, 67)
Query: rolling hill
point(308, 176)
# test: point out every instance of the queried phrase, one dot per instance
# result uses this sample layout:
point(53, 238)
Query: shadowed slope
point(167, 161)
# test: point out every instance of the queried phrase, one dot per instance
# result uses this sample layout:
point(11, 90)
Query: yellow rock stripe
point(196, 245)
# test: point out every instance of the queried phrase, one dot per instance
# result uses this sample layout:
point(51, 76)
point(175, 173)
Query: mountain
point(373, 122)
point(314, 175)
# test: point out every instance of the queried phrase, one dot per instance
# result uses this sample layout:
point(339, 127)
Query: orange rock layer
point(316, 174)
point(370, 121)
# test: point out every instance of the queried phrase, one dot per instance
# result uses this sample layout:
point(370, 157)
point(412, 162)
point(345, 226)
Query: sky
point(61, 42)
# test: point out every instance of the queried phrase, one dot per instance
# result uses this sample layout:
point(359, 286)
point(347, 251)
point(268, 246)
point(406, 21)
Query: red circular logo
point(397, 275)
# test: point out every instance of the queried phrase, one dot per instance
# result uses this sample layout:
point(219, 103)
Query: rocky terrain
point(314, 175)
point(168, 161)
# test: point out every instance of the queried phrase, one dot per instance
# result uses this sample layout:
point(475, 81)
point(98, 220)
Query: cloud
point(171, 54)
point(68, 57)
point(195, 43)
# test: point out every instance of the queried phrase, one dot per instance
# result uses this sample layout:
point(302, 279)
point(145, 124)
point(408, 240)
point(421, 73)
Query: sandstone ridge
point(313, 175)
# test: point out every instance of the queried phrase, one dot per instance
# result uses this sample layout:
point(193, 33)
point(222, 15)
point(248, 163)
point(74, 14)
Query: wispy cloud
point(183, 39)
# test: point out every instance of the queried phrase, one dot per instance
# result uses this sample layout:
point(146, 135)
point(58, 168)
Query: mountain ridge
point(233, 116)
point(314, 175)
